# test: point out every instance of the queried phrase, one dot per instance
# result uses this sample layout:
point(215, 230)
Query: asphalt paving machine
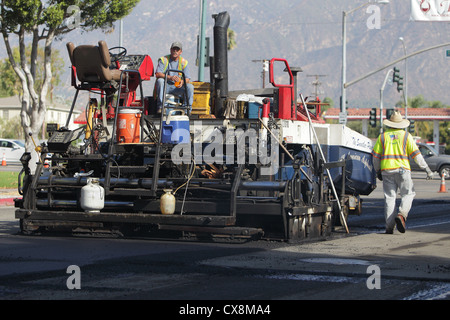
point(239, 165)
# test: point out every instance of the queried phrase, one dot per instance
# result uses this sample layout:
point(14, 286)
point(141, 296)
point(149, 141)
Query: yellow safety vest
point(393, 148)
point(182, 63)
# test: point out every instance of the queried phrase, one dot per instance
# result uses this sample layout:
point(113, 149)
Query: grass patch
point(8, 180)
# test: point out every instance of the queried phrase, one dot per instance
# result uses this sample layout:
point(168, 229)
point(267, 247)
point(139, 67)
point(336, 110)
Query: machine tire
point(337, 215)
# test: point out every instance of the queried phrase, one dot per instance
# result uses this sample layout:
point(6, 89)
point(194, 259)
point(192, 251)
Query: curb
point(7, 201)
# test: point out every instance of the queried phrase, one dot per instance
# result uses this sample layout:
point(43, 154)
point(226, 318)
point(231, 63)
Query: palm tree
point(231, 35)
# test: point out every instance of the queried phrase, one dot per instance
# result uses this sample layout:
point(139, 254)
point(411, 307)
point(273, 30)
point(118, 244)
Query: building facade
point(10, 108)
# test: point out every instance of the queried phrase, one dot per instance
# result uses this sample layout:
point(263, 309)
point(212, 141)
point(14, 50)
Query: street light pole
point(350, 83)
point(343, 113)
point(381, 98)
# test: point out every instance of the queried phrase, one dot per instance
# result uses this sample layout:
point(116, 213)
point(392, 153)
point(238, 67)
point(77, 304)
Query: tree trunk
point(33, 102)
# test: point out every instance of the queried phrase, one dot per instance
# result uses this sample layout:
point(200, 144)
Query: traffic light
point(340, 102)
point(412, 127)
point(400, 84)
point(396, 75)
point(373, 117)
point(389, 113)
point(396, 78)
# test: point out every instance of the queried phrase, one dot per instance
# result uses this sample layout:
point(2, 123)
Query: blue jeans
point(171, 89)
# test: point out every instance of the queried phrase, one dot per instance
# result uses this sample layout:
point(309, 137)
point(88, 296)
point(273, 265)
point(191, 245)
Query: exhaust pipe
point(220, 74)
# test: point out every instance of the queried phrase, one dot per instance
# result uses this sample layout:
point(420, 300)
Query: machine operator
point(175, 81)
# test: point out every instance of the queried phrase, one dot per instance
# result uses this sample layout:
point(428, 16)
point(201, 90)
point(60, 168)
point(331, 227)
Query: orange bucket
point(128, 126)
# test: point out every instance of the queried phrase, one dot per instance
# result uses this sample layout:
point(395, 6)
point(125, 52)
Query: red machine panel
point(286, 106)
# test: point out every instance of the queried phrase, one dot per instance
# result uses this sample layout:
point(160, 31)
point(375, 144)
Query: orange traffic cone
point(442, 189)
point(4, 160)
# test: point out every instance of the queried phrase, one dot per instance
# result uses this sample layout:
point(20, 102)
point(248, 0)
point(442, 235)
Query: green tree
point(420, 102)
point(417, 102)
point(9, 83)
point(37, 21)
point(425, 128)
point(328, 103)
point(11, 129)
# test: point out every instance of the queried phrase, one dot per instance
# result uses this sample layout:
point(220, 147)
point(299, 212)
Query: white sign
point(343, 117)
point(430, 10)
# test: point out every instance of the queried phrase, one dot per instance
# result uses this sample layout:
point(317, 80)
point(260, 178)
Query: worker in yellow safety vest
point(391, 155)
point(176, 84)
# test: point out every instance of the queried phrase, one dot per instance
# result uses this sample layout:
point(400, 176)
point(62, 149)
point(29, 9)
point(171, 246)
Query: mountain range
point(308, 34)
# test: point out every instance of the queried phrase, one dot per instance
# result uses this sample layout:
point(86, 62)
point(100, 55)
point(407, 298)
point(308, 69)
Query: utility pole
point(343, 113)
point(316, 83)
point(265, 69)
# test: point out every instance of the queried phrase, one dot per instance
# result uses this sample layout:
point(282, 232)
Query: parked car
point(12, 150)
point(437, 162)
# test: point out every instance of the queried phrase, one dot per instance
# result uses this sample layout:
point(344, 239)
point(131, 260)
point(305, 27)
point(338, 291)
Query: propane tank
point(167, 202)
point(92, 198)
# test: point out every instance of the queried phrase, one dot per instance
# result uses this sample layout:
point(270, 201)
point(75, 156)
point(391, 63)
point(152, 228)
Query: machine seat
point(92, 63)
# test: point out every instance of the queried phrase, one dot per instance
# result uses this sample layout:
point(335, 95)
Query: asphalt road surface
point(363, 265)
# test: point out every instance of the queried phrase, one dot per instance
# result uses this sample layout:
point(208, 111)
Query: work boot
point(400, 221)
